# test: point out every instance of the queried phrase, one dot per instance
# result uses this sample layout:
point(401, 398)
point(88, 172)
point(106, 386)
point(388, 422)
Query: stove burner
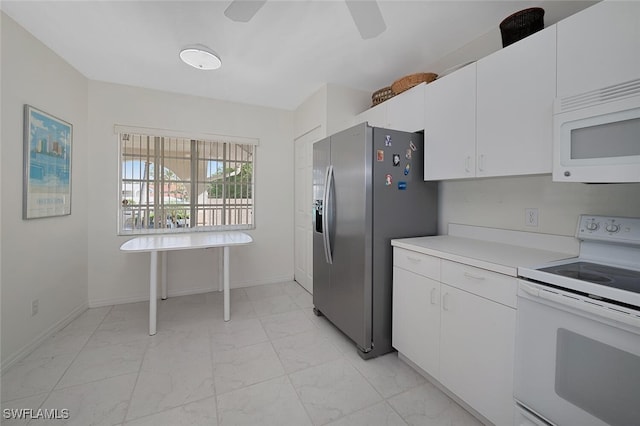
point(611, 276)
point(584, 275)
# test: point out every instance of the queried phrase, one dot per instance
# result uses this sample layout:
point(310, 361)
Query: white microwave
point(596, 135)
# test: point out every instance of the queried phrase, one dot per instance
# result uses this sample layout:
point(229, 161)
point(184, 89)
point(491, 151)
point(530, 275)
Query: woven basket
point(382, 95)
point(521, 24)
point(407, 82)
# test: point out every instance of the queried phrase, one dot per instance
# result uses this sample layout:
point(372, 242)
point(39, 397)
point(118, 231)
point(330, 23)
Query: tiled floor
point(274, 363)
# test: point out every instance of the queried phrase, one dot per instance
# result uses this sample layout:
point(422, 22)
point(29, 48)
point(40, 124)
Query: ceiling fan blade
point(243, 10)
point(367, 17)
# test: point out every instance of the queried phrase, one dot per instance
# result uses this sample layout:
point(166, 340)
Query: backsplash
point(501, 203)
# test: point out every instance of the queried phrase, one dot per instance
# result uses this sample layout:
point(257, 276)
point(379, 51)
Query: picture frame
point(47, 165)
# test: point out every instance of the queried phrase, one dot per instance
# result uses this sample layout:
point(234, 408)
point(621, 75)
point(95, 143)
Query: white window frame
point(194, 206)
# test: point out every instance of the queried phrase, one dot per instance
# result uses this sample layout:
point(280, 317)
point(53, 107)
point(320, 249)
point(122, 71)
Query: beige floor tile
point(270, 403)
point(332, 390)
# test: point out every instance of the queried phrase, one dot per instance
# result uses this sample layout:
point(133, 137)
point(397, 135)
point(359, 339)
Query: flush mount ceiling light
point(200, 57)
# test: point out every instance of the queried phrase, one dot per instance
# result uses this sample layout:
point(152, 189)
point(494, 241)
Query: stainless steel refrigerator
point(368, 188)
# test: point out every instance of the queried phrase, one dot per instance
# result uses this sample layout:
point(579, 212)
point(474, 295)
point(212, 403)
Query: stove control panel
point(623, 230)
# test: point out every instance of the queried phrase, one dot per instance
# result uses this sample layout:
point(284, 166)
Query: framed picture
point(47, 165)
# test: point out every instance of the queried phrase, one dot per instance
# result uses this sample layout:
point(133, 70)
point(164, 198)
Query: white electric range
point(578, 331)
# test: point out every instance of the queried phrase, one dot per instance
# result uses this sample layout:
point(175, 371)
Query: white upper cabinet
point(494, 118)
point(406, 110)
point(402, 112)
point(599, 47)
point(516, 89)
point(376, 116)
point(450, 126)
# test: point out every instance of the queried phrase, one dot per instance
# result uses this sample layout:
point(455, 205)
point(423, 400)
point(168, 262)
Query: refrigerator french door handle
point(325, 216)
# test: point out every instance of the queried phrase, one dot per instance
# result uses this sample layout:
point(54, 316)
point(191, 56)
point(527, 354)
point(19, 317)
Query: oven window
point(600, 379)
point(617, 139)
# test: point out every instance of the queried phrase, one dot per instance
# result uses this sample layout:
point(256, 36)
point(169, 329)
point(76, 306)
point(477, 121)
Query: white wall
point(343, 104)
point(501, 202)
point(44, 259)
point(116, 277)
point(486, 44)
point(332, 108)
point(311, 114)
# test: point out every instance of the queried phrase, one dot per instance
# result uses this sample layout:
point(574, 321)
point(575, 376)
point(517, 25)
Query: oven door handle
point(582, 305)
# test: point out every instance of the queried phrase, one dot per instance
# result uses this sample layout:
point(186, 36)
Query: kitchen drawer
point(418, 263)
point(491, 285)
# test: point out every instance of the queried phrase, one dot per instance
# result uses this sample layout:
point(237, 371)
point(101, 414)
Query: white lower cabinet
point(477, 352)
point(416, 318)
point(458, 325)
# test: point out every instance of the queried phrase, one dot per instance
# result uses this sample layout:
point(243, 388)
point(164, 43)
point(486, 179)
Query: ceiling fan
point(365, 13)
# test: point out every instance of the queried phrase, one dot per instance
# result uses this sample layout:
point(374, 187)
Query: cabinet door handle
point(474, 277)
point(434, 301)
point(467, 164)
point(445, 302)
point(481, 163)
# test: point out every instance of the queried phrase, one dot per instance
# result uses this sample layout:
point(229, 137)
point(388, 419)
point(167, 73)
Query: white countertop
point(186, 241)
point(501, 257)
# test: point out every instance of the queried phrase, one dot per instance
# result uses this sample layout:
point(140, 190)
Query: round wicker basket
point(521, 24)
point(408, 81)
point(382, 95)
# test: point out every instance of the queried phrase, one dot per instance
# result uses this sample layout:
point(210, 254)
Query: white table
point(169, 242)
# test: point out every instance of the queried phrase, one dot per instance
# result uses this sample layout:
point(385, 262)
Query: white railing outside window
point(180, 184)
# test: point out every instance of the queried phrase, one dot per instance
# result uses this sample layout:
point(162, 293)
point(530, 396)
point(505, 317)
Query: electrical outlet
point(531, 217)
point(34, 307)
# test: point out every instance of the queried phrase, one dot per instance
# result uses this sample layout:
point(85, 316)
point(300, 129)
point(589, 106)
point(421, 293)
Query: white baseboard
point(272, 280)
point(97, 303)
point(27, 349)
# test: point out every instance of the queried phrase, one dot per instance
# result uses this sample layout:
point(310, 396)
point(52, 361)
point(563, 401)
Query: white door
point(516, 87)
point(450, 126)
point(303, 244)
point(477, 345)
point(416, 319)
point(598, 47)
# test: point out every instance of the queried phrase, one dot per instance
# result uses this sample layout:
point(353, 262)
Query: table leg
point(164, 275)
point(153, 289)
point(226, 283)
point(220, 268)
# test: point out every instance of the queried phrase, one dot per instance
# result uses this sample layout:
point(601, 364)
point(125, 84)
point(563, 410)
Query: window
point(179, 184)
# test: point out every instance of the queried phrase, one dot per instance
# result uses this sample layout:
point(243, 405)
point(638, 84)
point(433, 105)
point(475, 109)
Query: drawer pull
point(414, 259)
point(473, 277)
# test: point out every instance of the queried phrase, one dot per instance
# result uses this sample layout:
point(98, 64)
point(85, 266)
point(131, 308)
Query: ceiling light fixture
point(200, 57)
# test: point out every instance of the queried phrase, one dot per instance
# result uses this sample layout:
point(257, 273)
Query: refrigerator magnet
point(412, 146)
point(388, 180)
point(396, 160)
point(402, 185)
point(380, 155)
point(387, 140)
point(408, 154)
point(407, 169)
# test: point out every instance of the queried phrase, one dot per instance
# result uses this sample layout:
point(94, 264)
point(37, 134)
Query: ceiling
point(284, 54)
